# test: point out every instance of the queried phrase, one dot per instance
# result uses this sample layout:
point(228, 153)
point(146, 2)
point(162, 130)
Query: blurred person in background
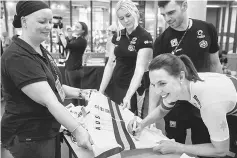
point(34, 95)
point(109, 45)
point(68, 37)
point(76, 48)
point(2, 98)
point(129, 57)
point(6, 41)
point(223, 58)
point(69, 34)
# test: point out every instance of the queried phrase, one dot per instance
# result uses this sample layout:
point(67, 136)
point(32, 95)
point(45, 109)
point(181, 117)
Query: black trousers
point(34, 149)
point(73, 78)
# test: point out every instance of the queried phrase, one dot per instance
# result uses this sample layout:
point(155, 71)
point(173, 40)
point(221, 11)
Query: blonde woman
point(129, 58)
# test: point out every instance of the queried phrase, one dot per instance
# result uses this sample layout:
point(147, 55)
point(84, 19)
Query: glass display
point(99, 15)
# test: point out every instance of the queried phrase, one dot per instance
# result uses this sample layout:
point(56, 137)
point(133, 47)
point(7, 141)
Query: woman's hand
point(134, 130)
point(167, 147)
point(126, 102)
point(101, 91)
point(83, 138)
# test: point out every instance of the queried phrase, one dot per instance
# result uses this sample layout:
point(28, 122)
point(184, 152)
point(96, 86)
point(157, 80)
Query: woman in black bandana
point(33, 90)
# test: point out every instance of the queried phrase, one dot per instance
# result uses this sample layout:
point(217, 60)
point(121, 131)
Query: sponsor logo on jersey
point(173, 124)
point(131, 47)
point(198, 104)
point(200, 34)
point(203, 44)
point(174, 42)
point(134, 40)
point(146, 42)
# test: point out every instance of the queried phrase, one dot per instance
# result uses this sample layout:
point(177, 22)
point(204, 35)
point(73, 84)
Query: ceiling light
point(213, 6)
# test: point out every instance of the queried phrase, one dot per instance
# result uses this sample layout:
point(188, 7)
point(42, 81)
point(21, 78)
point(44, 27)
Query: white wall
point(197, 9)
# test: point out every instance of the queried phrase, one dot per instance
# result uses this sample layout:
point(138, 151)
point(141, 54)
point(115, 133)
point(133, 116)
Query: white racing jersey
point(216, 97)
point(107, 125)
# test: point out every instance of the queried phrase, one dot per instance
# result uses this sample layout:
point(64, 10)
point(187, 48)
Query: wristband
point(80, 94)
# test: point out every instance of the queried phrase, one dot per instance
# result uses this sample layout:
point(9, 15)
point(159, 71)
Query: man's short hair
point(162, 4)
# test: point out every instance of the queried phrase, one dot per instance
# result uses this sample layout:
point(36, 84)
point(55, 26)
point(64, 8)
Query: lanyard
point(174, 51)
point(52, 67)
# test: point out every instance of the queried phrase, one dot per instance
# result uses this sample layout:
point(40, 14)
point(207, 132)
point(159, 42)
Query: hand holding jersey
point(167, 147)
point(163, 146)
point(83, 138)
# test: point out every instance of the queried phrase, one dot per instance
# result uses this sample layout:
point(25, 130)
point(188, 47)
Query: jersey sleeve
point(214, 118)
point(214, 47)
point(146, 41)
point(24, 70)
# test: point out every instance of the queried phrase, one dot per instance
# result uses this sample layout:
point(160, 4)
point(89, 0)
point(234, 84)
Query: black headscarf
point(24, 8)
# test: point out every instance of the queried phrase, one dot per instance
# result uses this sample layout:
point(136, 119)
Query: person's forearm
point(216, 67)
point(109, 68)
point(63, 40)
point(201, 150)
point(135, 83)
point(154, 116)
point(71, 92)
point(154, 99)
point(215, 64)
point(62, 115)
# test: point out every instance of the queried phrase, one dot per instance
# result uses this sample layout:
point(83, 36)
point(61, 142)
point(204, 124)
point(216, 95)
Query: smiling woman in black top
point(33, 92)
point(132, 51)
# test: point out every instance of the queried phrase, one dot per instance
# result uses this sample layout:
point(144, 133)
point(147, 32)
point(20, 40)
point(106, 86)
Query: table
point(79, 152)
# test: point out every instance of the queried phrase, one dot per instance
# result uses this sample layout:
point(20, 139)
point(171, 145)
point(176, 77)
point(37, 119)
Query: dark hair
point(174, 65)
point(162, 4)
point(85, 28)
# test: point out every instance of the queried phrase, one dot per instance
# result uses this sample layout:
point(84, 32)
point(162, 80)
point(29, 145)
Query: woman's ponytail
point(192, 73)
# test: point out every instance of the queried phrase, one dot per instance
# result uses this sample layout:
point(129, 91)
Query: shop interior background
point(100, 14)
